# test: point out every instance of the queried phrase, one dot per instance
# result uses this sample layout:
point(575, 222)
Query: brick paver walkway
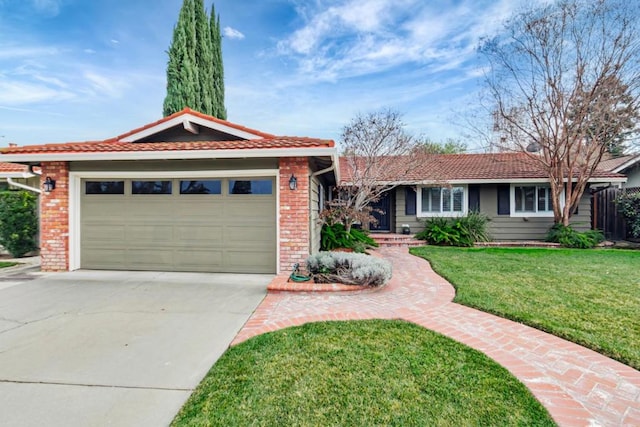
point(577, 386)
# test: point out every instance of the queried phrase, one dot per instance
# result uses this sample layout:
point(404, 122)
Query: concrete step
point(395, 240)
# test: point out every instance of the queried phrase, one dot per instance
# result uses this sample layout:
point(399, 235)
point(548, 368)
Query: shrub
point(474, 224)
point(334, 236)
point(629, 207)
point(460, 231)
point(348, 268)
point(18, 222)
point(570, 238)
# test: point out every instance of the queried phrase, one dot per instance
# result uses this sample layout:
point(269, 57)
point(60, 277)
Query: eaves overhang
point(170, 155)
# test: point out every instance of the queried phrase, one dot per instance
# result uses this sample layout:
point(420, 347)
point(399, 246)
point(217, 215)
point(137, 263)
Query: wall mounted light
point(49, 185)
point(293, 182)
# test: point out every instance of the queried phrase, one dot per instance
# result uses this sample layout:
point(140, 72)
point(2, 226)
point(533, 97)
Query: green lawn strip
point(591, 297)
point(371, 372)
point(7, 264)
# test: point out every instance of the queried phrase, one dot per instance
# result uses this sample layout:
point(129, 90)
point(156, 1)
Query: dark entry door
point(382, 212)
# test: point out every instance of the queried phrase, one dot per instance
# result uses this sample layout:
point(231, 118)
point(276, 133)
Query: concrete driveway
point(96, 348)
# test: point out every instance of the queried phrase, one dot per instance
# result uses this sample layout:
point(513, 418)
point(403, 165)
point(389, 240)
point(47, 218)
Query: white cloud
point(16, 52)
point(232, 33)
point(350, 38)
point(14, 93)
point(89, 51)
point(47, 7)
point(112, 86)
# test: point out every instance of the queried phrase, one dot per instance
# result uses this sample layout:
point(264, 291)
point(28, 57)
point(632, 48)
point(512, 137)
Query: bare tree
point(380, 155)
point(564, 83)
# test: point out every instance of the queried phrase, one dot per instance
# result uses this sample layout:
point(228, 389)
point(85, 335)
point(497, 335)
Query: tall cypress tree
point(204, 61)
point(218, 69)
point(195, 70)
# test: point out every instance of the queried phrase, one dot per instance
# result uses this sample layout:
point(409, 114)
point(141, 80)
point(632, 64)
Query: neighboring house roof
point(469, 168)
point(619, 164)
point(14, 170)
point(183, 135)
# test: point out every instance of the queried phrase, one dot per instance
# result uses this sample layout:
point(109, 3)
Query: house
point(628, 166)
point(191, 192)
point(188, 192)
point(510, 188)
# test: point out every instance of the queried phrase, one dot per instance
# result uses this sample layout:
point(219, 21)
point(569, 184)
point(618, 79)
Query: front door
point(382, 212)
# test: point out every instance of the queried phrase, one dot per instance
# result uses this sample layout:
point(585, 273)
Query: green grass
point(591, 297)
point(359, 373)
point(4, 264)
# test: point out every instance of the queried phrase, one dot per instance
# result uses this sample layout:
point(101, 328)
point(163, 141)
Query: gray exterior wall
point(504, 227)
point(314, 214)
point(501, 227)
point(401, 217)
point(633, 176)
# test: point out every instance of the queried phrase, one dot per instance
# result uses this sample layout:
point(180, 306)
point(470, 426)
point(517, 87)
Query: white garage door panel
point(213, 233)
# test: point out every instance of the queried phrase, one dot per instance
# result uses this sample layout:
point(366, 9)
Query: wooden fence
point(605, 215)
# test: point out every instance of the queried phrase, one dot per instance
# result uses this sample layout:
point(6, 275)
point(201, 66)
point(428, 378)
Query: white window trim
point(75, 188)
point(465, 203)
point(544, 214)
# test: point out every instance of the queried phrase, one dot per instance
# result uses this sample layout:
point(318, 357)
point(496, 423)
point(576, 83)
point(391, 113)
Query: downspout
point(323, 171)
point(23, 186)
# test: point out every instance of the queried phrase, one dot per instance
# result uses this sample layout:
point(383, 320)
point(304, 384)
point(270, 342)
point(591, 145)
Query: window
point(445, 201)
point(151, 187)
point(201, 187)
point(256, 186)
point(104, 187)
point(533, 200)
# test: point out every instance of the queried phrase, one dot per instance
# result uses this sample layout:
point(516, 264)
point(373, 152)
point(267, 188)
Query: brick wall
point(294, 212)
point(54, 218)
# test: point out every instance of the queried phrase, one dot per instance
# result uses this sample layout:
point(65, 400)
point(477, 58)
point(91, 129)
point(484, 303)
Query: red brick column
point(54, 218)
point(294, 212)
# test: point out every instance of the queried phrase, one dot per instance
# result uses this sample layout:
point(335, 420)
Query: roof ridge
point(185, 111)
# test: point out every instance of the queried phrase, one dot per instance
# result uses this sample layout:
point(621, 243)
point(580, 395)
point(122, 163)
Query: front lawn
point(359, 373)
point(591, 297)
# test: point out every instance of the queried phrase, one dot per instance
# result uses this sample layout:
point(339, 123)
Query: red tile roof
point(117, 146)
point(13, 168)
point(265, 141)
point(465, 167)
point(613, 164)
point(197, 114)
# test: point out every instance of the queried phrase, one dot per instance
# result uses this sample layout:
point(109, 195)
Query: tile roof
point(461, 167)
point(613, 164)
point(118, 146)
point(13, 168)
point(264, 141)
point(186, 111)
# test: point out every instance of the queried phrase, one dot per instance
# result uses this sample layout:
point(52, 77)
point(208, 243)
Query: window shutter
point(474, 198)
point(409, 201)
point(504, 205)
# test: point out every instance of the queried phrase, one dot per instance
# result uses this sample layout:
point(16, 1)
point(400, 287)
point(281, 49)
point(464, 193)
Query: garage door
point(209, 225)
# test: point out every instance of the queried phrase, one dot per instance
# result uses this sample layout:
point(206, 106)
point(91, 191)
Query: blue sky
point(76, 70)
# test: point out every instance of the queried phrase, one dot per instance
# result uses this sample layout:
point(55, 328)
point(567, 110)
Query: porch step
point(395, 240)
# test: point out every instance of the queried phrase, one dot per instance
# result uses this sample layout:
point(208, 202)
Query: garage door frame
point(75, 189)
